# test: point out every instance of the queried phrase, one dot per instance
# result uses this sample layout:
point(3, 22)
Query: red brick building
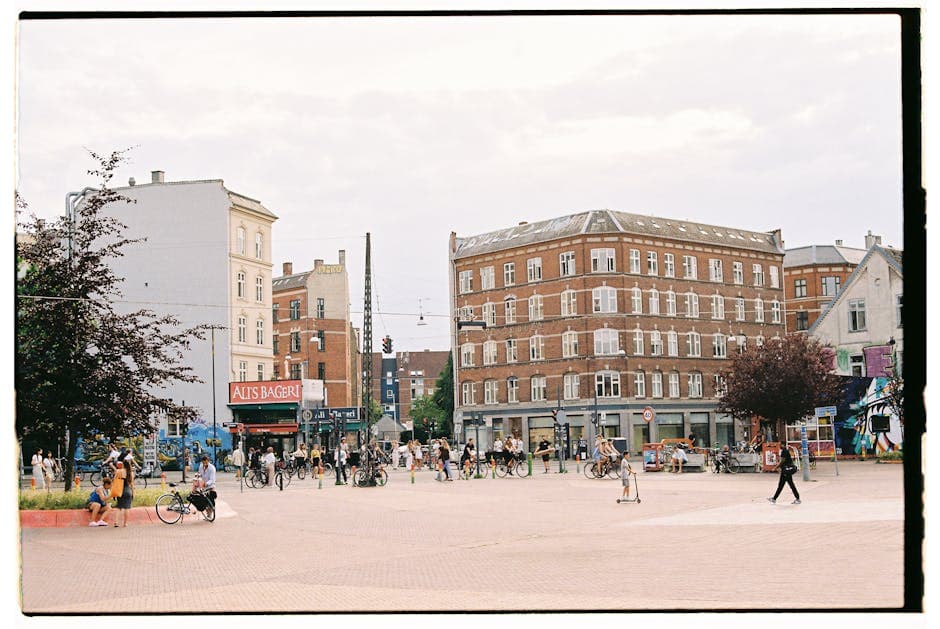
point(814, 275)
point(608, 312)
point(313, 336)
point(400, 379)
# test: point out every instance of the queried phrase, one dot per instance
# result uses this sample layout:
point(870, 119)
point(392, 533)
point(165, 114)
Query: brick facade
point(638, 270)
point(412, 373)
point(813, 276)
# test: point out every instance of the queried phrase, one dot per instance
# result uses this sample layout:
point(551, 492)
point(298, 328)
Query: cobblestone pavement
point(549, 542)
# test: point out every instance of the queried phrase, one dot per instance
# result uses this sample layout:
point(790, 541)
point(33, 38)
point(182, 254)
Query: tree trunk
point(70, 458)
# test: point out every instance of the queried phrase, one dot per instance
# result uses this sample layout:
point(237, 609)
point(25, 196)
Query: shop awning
point(263, 407)
point(279, 429)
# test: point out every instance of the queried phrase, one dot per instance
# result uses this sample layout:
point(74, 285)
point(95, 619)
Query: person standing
point(339, 460)
point(315, 458)
point(498, 449)
point(36, 462)
point(238, 460)
point(445, 458)
point(544, 447)
point(126, 499)
point(118, 489)
point(48, 469)
point(268, 461)
point(300, 456)
point(787, 470)
point(625, 472)
point(396, 455)
point(419, 454)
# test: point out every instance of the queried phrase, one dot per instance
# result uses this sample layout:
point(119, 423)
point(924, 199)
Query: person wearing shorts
point(99, 503)
point(545, 445)
point(625, 472)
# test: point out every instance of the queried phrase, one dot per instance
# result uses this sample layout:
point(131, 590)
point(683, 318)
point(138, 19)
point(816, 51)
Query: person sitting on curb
point(99, 503)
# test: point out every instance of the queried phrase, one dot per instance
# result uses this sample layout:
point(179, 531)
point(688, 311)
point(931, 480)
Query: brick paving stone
point(550, 542)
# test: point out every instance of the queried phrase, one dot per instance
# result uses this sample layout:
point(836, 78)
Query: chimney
point(871, 239)
point(342, 257)
point(523, 222)
point(132, 182)
point(288, 268)
point(838, 243)
point(317, 264)
point(156, 176)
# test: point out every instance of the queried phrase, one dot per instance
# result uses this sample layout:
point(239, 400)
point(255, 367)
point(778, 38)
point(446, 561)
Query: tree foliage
point(785, 379)
point(444, 396)
point(83, 368)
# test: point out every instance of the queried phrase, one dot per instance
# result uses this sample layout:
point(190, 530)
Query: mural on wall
point(866, 402)
point(199, 439)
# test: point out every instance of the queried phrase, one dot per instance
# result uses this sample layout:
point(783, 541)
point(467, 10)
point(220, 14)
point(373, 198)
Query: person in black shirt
point(468, 453)
point(543, 447)
point(787, 470)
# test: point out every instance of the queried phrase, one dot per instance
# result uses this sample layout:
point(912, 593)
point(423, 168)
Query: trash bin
point(652, 457)
point(770, 456)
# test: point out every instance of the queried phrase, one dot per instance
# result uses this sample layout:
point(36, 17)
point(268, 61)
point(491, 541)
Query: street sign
point(150, 451)
point(826, 411)
point(229, 424)
point(561, 416)
point(649, 414)
point(306, 414)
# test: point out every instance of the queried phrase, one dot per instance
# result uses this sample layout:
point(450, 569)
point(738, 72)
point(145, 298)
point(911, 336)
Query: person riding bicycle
point(468, 452)
point(723, 458)
point(300, 456)
point(608, 453)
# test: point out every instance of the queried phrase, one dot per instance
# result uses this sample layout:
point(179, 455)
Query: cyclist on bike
point(300, 456)
point(722, 459)
point(608, 454)
point(205, 479)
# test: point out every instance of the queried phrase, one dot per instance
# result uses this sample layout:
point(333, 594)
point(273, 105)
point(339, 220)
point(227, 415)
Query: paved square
point(548, 542)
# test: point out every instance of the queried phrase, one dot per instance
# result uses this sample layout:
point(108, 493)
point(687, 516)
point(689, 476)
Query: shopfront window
point(698, 423)
point(818, 436)
point(724, 430)
point(669, 426)
point(641, 433)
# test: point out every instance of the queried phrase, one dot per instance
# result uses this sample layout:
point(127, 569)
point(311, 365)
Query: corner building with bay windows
point(604, 313)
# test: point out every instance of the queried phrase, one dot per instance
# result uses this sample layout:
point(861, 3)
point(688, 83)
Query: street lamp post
point(215, 436)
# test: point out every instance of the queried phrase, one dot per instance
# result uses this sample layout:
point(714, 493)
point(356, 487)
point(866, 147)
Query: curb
point(60, 518)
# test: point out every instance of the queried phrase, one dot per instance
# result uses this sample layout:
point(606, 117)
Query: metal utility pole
point(367, 340)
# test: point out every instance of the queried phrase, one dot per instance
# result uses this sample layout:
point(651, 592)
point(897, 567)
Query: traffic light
point(387, 344)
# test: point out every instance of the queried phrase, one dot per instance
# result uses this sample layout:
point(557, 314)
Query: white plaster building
point(865, 317)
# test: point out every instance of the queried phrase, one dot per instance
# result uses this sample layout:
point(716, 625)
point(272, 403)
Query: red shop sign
point(264, 392)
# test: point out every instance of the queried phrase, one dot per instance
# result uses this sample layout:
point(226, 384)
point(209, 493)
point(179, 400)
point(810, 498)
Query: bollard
point(32, 482)
point(577, 461)
point(492, 468)
point(320, 479)
point(163, 481)
point(412, 473)
point(528, 459)
point(438, 478)
point(78, 482)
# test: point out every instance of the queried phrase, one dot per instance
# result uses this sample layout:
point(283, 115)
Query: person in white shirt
point(238, 460)
point(268, 460)
point(339, 458)
point(37, 469)
point(419, 454)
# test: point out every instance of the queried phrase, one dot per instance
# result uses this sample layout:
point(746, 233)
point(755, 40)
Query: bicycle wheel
point(502, 470)
point(589, 470)
point(613, 470)
point(169, 508)
point(301, 472)
point(327, 469)
point(95, 479)
point(522, 469)
point(209, 513)
point(360, 480)
point(381, 478)
point(733, 465)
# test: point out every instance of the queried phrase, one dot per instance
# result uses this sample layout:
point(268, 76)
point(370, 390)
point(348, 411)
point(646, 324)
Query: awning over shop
point(279, 429)
point(263, 407)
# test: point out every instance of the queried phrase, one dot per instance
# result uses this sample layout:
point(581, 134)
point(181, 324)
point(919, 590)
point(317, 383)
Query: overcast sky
point(410, 128)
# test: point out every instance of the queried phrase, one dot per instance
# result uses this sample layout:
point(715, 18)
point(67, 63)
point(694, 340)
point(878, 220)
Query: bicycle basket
point(199, 500)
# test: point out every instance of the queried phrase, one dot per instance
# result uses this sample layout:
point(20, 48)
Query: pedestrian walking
point(445, 459)
point(37, 470)
point(268, 461)
point(787, 470)
point(396, 455)
point(48, 469)
point(339, 458)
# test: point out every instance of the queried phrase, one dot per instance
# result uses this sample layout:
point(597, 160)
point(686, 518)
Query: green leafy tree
point(444, 397)
point(783, 380)
point(82, 368)
point(425, 408)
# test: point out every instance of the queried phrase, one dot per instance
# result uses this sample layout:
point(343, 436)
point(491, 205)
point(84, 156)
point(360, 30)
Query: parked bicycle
point(256, 478)
point(172, 506)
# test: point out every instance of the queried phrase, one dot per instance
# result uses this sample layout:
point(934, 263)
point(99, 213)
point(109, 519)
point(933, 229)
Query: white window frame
point(718, 307)
point(465, 282)
point(259, 289)
point(466, 355)
point(260, 371)
point(242, 370)
point(536, 347)
point(607, 384)
point(652, 263)
point(509, 274)
point(774, 276)
point(899, 309)
point(691, 305)
point(533, 269)
point(720, 345)
point(489, 313)
point(737, 270)
point(739, 309)
point(569, 303)
point(468, 393)
point(259, 332)
point(775, 311)
point(634, 260)
point(720, 386)
point(636, 300)
point(674, 391)
point(243, 329)
point(572, 386)
point(509, 305)
point(690, 267)
point(536, 308)
point(656, 384)
point(512, 389)
point(757, 271)
point(240, 240)
point(656, 343)
point(638, 344)
point(639, 384)
point(512, 350)
point(489, 352)
point(670, 303)
point(569, 344)
point(715, 270)
point(537, 388)
point(465, 313)
point(695, 384)
point(602, 296)
point(672, 343)
point(669, 265)
point(487, 278)
point(603, 260)
point(606, 342)
point(654, 301)
point(694, 344)
point(240, 284)
point(858, 315)
point(758, 310)
point(566, 265)
point(490, 391)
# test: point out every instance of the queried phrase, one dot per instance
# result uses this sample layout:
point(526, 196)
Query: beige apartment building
point(602, 314)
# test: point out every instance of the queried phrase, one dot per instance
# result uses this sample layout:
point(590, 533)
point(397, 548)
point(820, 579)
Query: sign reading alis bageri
point(264, 392)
